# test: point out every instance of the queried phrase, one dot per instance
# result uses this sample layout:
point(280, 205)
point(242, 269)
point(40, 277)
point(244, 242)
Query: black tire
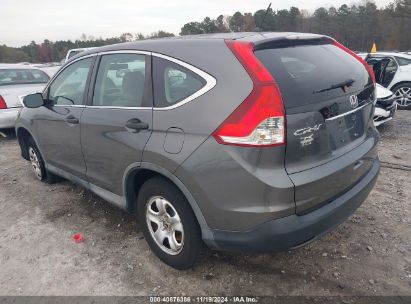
point(402, 86)
point(42, 174)
point(193, 248)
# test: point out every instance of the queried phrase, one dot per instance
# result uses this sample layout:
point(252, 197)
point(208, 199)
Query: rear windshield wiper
point(345, 83)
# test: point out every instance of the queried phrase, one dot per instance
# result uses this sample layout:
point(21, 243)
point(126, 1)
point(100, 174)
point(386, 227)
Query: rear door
point(328, 97)
point(117, 121)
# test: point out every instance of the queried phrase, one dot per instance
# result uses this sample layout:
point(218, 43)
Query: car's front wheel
point(37, 163)
point(169, 224)
point(402, 94)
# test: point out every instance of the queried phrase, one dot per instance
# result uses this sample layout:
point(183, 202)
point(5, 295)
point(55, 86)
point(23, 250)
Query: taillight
point(3, 104)
point(369, 68)
point(260, 119)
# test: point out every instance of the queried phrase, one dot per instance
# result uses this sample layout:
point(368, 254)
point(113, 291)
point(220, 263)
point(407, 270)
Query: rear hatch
point(328, 97)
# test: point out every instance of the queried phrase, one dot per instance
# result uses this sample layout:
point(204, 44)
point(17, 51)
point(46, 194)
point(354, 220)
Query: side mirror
point(33, 100)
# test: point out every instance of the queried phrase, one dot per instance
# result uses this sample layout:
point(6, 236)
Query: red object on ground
point(78, 238)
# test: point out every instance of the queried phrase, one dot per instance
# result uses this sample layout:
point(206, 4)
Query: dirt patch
point(369, 254)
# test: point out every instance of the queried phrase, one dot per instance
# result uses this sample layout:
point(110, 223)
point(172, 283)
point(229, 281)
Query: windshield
point(22, 76)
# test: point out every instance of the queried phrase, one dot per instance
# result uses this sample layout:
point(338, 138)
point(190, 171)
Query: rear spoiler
point(293, 39)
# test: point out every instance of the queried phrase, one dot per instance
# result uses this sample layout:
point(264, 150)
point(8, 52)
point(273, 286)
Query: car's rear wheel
point(169, 225)
point(37, 164)
point(402, 94)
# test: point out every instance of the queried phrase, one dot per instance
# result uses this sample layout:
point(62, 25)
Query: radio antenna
point(260, 28)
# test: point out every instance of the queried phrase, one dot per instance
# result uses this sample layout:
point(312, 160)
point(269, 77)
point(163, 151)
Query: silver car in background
point(49, 68)
point(17, 81)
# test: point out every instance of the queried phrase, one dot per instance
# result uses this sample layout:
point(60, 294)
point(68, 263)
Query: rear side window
point(173, 83)
point(120, 81)
point(302, 70)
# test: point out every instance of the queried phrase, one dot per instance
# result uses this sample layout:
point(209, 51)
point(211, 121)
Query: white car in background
point(50, 68)
point(393, 71)
point(385, 105)
point(73, 52)
point(17, 81)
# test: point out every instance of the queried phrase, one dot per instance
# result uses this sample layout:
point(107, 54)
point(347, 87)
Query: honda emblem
point(354, 101)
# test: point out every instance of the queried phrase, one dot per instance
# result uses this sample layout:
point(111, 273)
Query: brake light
point(3, 104)
point(369, 68)
point(260, 118)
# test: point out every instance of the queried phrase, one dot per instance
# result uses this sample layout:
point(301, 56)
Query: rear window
point(22, 76)
point(302, 70)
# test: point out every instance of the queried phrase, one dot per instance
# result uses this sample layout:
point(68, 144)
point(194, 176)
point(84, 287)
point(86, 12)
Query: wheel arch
point(137, 174)
point(23, 136)
point(393, 87)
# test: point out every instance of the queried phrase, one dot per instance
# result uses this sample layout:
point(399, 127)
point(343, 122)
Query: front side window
point(120, 81)
point(69, 86)
point(173, 82)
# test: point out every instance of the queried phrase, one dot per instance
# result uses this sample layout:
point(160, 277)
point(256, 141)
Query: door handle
point(72, 120)
point(136, 125)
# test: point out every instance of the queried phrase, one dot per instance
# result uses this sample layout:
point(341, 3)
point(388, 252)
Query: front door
point(117, 122)
point(58, 125)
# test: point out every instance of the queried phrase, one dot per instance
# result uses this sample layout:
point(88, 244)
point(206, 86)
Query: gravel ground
point(367, 255)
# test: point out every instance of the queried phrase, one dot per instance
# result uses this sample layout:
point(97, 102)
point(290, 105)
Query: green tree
point(357, 26)
point(222, 24)
point(161, 34)
point(237, 22)
point(126, 37)
point(192, 28)
point(321, 20)
point(10, 55)
point(265, 20)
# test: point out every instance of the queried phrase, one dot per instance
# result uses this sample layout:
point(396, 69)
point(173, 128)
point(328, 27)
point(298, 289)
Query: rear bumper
point(8, 117)
point(296, 230)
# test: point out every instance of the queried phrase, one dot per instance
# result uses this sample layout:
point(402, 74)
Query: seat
point(110, 93)
point(109, 83)
point(133, 88)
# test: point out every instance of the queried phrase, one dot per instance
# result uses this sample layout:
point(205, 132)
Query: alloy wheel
point(403, 96)
point(35, 163)
point(165, 225)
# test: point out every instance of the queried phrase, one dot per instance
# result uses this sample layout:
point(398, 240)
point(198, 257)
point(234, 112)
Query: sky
point(25, 20)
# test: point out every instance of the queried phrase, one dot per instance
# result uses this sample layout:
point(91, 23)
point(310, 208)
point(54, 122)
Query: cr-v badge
point(305, 135)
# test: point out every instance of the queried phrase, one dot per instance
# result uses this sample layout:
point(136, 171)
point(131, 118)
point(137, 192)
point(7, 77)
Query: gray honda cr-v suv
point(248, 142)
